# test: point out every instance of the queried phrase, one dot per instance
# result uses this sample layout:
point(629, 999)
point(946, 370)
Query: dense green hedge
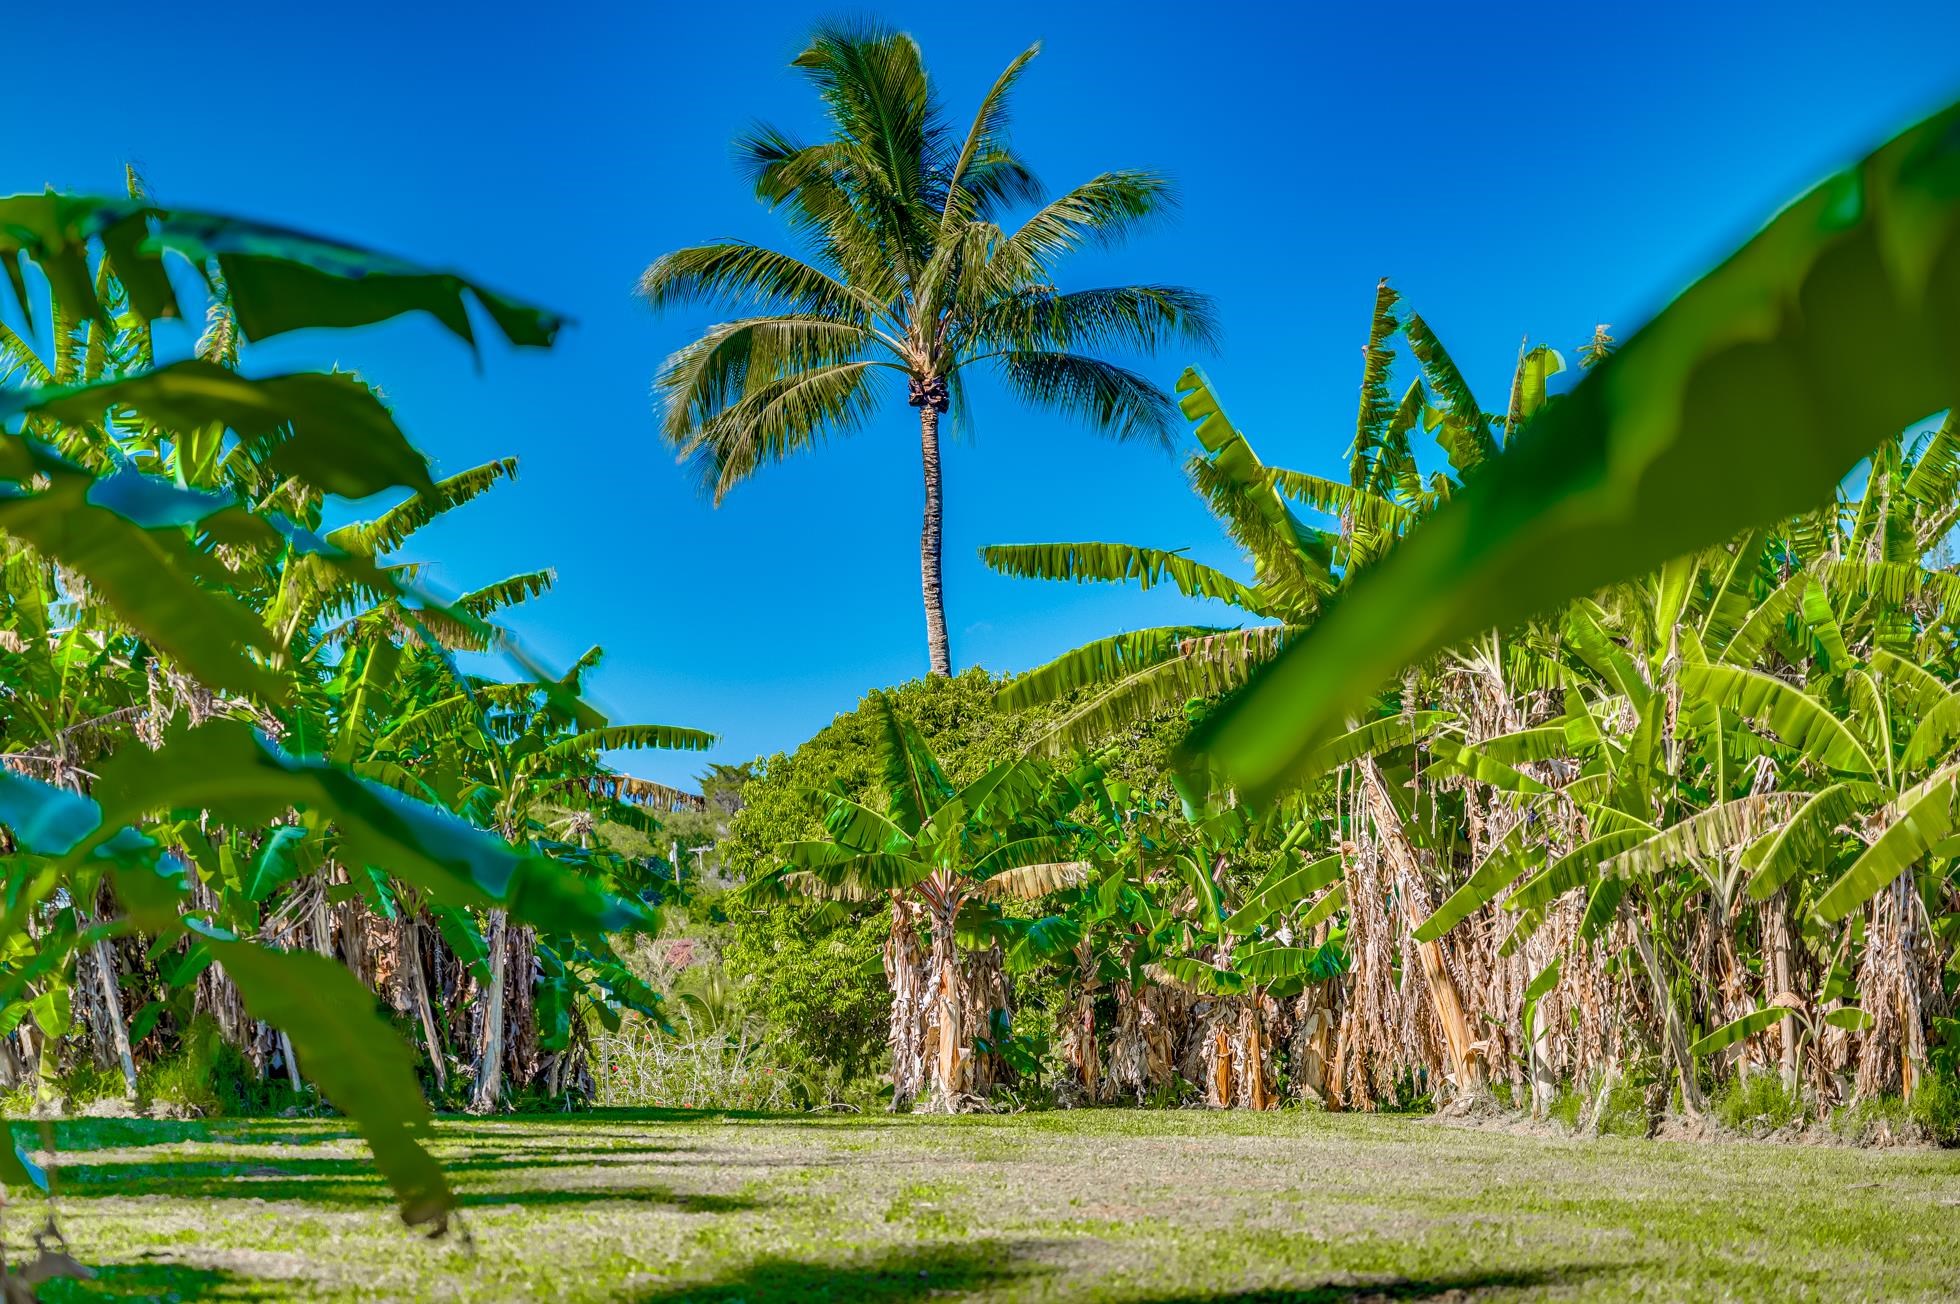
point(811, 975)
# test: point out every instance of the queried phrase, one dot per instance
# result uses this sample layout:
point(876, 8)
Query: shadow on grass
point(156, 1281)
point(1457, 1287)
point(343, 1183)
point(85, 1134)
point(900, 1275)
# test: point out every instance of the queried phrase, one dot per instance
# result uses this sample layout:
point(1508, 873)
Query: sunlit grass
point(1117, 1205)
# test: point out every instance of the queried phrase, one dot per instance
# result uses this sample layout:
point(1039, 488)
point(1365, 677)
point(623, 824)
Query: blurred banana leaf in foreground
point(1748, 398)
point(163, 520)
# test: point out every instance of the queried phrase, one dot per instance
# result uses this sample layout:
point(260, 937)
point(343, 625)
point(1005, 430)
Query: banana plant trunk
point(989, 1007)
point(1674, 1033)
point(1466, 1062)
point(905, 976)
point(930, 397)
point(409, 957)
point(946, 1032)
point(490, 1057)
point(110, 981)
point(1078, 1033)
point(1781, 946)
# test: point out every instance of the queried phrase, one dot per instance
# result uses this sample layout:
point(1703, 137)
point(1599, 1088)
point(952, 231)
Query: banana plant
point(1746, 400)
point(172, 611)
point(941, 851)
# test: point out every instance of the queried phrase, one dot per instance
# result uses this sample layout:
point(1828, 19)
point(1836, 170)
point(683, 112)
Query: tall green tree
point(908, 271)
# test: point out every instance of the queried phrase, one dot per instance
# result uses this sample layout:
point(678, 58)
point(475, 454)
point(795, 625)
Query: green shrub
point(810, 976)
point(1933, 1114)
point(1567, 1107)
point(1935, 1107)
point(1758, 1103)
point(812, 983)
point(692, 1067)
point(209, 1077)
point(1622, 1112)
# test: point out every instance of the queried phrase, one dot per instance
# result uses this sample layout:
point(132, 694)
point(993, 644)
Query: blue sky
point(1516, 171)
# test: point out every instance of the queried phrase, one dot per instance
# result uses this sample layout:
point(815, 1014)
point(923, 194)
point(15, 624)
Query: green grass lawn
point(1113, 1205)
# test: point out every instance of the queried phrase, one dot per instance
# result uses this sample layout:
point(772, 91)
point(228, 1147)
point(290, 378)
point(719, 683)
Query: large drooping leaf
point(1571, 870)
point(326, 430)
point(1795, 717)
point(1739, 1030)
point(45, 820)
point(1359, 508)
point(622, 737)
point(1541, 982)
point(1707, 834)
point(1924, 820)
point(1923, 688)
point(1933, 740)
point(1376, 737)
point(863, 877)
point(1264, 966)
point(1500, 868)
point(393, 527)
point(226, 768)
point(357, 1060)
point(857, 827)
point(1116, 562)
point(1031, 882)
point(278, 279)
point(1452, 757)
point(1287, 886)
point(1198, 976)
point(1331, 900)
point(1043, 940)
point(1293, 562)
point(1202, 665)
point(1805, 841)
point(1540, 743)
point(914, 785)
point(1746, 399)
point(1207, 898)
point(1105, 661)
point(124, 534)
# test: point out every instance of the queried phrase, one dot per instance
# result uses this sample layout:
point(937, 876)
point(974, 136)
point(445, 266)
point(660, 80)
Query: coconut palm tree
point(908, 272)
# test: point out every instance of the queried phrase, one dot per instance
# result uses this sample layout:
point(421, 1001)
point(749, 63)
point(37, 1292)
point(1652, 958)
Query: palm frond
point(736, 271)
point(1109, 399)
point(1203, 667)
point(1118, 563)
point(392, 528)
point(777, 419)
point(1141, 318)
point(1104, 661)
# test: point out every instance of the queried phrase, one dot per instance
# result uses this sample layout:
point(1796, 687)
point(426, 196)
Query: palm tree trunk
point(930, 398)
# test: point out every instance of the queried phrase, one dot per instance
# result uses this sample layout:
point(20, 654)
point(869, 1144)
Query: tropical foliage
point(1690, 827)
point(246, 781)
point(1595, 752)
